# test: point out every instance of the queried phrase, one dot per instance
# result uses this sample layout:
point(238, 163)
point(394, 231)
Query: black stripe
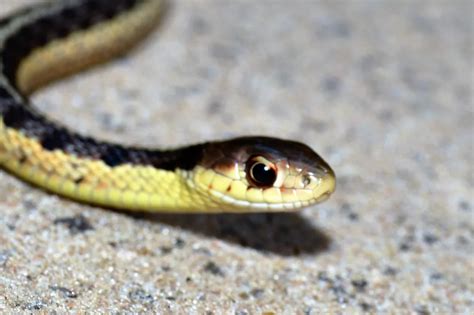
point(52, 136)
point(55, 26)
point(115, 155)
point(15, 116)
point(183, 158)
point(4, 94)
point(57, 138)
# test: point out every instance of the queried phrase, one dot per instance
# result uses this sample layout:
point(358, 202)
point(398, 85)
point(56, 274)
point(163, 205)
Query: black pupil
point(263, 174)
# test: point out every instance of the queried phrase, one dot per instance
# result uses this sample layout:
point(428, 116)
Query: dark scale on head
point(186, 158)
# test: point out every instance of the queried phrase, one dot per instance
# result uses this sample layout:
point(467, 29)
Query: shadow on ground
point(285, 234)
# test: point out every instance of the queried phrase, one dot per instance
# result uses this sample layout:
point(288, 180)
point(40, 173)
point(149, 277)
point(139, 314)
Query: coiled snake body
point(48, 41)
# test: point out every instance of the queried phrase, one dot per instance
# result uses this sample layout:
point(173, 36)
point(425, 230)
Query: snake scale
point(48, 41)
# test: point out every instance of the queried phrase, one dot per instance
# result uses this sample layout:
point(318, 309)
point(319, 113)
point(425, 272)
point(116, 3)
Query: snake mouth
point(233, 195)
point(236, 205)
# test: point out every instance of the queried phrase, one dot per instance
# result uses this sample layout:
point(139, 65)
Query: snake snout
point(326, 181)
point(330, 180)
point(329, 183)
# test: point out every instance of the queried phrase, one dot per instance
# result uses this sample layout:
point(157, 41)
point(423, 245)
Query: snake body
point(48, 41)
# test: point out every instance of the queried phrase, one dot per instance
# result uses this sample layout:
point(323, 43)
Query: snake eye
point(260, 172)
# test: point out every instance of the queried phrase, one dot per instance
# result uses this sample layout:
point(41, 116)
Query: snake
point(47, 41)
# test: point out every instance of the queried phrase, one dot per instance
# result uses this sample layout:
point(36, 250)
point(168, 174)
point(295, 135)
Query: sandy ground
point(381, 89)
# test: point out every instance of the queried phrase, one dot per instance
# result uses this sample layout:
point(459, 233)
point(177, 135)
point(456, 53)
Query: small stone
point(140, 295)
point(67, 293)
point(244, 295)
point(179, 243)
point(430, 239)
point(436, 276)
point(331, 84)
point(166, 249)
point(346, 208)
point(34, 306)
point(464, 205)
point(76, 224)
point(421, 310)
point(257, 293)
point(404, 247)
point(213, 268)
point(4, 256)
point(359, 284)
point(390, 271)
point(365, 306)
point(323, 276)
point(29, 205)
point(340, 293)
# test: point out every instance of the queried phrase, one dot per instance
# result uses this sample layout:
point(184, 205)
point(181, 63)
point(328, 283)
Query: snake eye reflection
point(260, 173)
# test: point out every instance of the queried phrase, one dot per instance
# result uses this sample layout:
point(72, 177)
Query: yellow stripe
point(85, 48)
point(124, 186)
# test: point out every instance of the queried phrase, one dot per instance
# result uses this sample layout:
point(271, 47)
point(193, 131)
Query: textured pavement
point(382, 90)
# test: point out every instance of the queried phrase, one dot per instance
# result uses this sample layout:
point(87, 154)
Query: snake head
point(263, 174)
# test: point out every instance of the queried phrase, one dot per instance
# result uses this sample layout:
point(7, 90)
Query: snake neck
point(49, 41)
point(52, 136)
point(31, 41)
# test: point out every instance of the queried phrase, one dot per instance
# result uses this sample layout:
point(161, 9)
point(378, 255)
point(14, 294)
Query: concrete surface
point(382, 89)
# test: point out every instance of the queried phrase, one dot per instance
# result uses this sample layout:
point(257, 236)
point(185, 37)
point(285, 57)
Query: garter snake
point(48, 41)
